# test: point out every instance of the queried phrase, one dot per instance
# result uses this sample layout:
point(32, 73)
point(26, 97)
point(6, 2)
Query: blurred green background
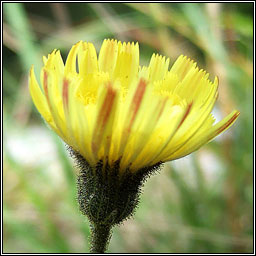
point(202, 203)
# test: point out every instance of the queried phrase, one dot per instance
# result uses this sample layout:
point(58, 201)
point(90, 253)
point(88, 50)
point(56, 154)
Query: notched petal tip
point(182, 66)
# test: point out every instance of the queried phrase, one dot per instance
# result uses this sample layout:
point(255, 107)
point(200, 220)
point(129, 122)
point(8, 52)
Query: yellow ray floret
point(108, 108)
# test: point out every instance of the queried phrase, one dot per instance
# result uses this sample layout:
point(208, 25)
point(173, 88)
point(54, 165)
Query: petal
point(167, 85)
point(87, 59)
point(108, 56)
point(192, 124)
point(140, 137)
point(133, 110)
point(166, 133)
point(70, 65)
point(158, 67)
point(58, 63)
point(102, 131)
point(127, 63)
point(39, 99)
point(205, 135)
point(195, 86)
point(54, 100)
point(182, 66)
point(87, 89)
point(79, 134)
point(143, 73)
point(149, 140)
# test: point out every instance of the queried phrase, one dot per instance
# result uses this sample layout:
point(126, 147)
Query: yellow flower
point(112, 109)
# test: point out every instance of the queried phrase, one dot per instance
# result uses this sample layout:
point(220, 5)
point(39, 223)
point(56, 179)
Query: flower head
point(109, 108)
point(122, 120)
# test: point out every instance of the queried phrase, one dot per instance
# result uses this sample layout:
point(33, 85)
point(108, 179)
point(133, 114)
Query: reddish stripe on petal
point(45, 84)
point(161, 108)
point(136, 101)
point(65, 92)
point(185, 115)
point(106, 106)
point(103, 117)
point(227, 124)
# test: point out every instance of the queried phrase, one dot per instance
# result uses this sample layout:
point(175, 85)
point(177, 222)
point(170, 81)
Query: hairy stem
point(100, 236)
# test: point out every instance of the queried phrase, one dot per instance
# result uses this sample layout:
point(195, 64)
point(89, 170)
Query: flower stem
point(100, 236)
